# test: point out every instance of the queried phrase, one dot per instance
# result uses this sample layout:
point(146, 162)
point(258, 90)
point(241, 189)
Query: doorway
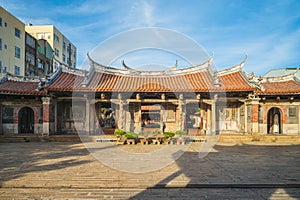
point(274, 121)
point(26, 120)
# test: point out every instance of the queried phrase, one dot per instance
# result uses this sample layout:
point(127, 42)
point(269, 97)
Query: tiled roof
point(234, 82)
point(283, 87)
point(66, 82)
point(110, 82)
point(20, 87)
point(189, 82)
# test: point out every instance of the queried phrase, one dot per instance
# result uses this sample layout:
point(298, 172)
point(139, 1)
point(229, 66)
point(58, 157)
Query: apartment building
point(63, 50)
point(12, 44)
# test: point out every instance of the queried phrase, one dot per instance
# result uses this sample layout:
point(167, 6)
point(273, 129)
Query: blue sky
point(268, 31)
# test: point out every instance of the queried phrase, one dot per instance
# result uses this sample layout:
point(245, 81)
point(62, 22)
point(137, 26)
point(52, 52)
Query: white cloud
point(84, 8)
point(274, 50)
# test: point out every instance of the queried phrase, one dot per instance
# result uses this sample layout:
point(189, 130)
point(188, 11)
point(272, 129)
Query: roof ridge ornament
point(55, 75)
point(126, 66)
point(210, 59)
point(235, 68)
point(128, 71)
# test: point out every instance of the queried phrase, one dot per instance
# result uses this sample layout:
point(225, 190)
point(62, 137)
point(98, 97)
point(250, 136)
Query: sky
point(268, 31)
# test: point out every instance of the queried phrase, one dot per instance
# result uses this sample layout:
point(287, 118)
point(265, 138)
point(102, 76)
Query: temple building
point(196, 99)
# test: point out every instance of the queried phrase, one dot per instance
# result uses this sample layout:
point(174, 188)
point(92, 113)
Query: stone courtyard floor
point(64, 170)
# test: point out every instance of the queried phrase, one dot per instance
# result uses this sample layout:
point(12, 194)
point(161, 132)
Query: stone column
point(214, 120)
point(254, 126)
point(121, 116)
point(127, 117)
point(92, 117)
point(202, 114)
point(46, 115)
point(87, 115)
point(163, 116)
point(208, 120)
point(245, 117)
point(182, 112)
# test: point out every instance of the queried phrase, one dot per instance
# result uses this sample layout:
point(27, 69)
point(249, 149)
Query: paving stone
point(50, 170)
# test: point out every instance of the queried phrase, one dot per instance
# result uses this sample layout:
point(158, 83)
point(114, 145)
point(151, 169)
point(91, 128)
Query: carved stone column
point(245, 117)
point(208, 120)
point(92, 117)
point(214, 120)
point(182, 112)
point(163, 116)
point(127, 117)
point(121, 117)
point(87, 115)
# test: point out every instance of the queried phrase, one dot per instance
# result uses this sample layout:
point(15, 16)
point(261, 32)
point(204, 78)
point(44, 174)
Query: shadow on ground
point(246, 171)
point(20, 159)
point(231, 172)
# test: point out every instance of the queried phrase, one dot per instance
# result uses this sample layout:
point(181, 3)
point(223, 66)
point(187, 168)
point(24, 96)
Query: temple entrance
point(151, 115)
point(26, 120)
point(106, 116)
point(274, 121)
point(194, 121)
point(193, 116)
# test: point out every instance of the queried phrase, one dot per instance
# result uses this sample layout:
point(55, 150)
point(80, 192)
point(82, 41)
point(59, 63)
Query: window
point(56, 38)
point(40, 36)
point(5, 70)
point(46, 67)
point(0, 21)
point(17, 52)
point(64, 46)
point(17, 33)
point(64, 58)
point(292, 112)
point(0, 44)
point(0, 66)
point(43, 35)
point(30, 58)
point(7, 114)
point(40, 64)
point(17, 71)
point(56, 52)
point(30, 41)
point(5, 24)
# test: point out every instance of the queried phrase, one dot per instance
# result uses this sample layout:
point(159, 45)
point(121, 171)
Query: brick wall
point(35, 112)
point(254, 113)
point(46, 112)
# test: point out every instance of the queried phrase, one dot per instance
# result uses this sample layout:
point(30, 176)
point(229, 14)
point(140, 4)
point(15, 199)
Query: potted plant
point(119, 134)
point(131, 137)
point(157, 137)
point(180, 140)
point(143, 137)
point(168, 137)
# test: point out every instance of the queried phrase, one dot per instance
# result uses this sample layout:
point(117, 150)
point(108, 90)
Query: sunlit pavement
point(52, 170)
